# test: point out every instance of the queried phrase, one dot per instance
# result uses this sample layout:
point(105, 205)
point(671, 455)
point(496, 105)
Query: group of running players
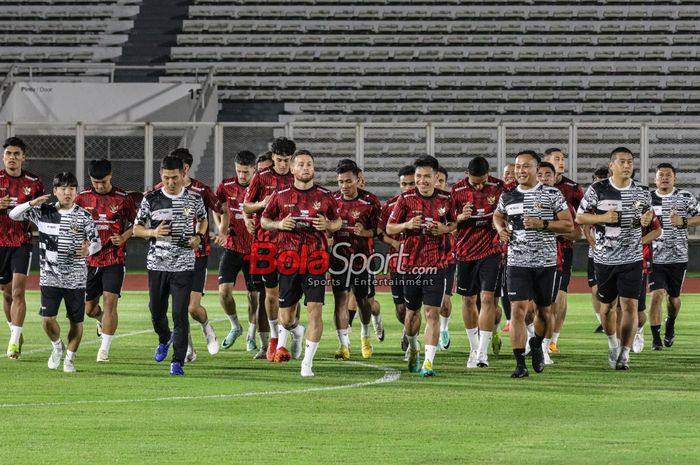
point(291, 238)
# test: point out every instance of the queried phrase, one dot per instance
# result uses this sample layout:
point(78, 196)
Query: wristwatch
point(201, 237)
point(545, 224)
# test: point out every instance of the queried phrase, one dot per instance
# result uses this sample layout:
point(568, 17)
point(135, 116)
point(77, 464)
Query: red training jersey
point(364, 209)
point(384, 214)
point(232, 193)
point(647, 250)
point(264, 183)
point(476, 237)
point(113, 213)
point(211, 202)
point(573, 193)
point(420, 248)
point(304, 206)
point(22, 188)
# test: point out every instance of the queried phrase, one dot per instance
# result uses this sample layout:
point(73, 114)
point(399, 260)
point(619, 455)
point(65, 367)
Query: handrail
point(6, 85)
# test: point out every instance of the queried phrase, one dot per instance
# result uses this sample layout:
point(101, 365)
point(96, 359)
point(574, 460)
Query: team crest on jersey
point(316, 205)
point(442, 211)
point(637, 203)
point(491, 199)
point(537, 205)
point(355, 214)
point(74, 228)
point(114, 208)
point(26, 190)
point(187, 211)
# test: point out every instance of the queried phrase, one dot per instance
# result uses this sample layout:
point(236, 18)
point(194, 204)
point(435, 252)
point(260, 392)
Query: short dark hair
point(172, 163)
point(443, 170)
point(15, 142)
point(302, 152)
point(347, 165)
point(619, 150)
point(98, 169)
point(427, 161)
point(602, 172)
point(478, 166)
point(184, 155)
point(246, 158)
point(283, 146)
point(265, 156)
point(408, 170)
point(550, 151)
point(65, 179)
point(532, 153)
point(666, 165)
point(546, 164)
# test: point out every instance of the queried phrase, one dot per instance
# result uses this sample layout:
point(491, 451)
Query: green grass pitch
point(230, 409)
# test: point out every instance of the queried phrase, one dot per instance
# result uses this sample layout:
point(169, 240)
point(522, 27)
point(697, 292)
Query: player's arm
point(143, 221)
point(651, 236)
point(500, 223)
point(22, 212)
point(589, 235)
point(253, 192)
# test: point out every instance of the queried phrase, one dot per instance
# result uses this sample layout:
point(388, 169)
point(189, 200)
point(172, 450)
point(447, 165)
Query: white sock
point(70, 356)
point(473, 334)
point(106, 342)
point(204, 325)
point(612, 342)
point(343, 338)
point(545, 344)
point(625, 352)
point(9, 325)
point(507, 322)
point(531, 330)
point(15, 332)
point(189, 341)
point(264, 339)
point(640, 330)
point(555, 337)
point(430, 353)
point(377, 319)
point(444, 323)
point(413, 342)
point(364, 330)
point(309, 353)
point(57, 344)
point(234, 321)
point(597, 317)
point(484, 341)
point(273, 329)
point(282, 338)
point(251, 330)
point(298, 331)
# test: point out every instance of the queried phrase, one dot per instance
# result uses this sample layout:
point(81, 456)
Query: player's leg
point(628, 278)
point(93, 292)
point(50, 302)
point(272, 296)
point(181, 291)
point(352, 308)
point(360, 286)
point(487, 276)
point(561, 302)
point(313, 336)
point(433, 290)
point(291, 290)
point(676, 276)
point(638, 344)
point(75, 307)
point(20, 259)
point(198, 312)
point(595, 302)
point(341, 318)
point(468, 288)
point(544, 283)
point(230, 264)
point(158, 295)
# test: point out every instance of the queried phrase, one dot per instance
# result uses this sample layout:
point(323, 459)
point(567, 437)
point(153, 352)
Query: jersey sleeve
point(501, 207)
point(332, 208)
point(252, 193)
point(200, 211)
point(211, 200)
point(589, 202)
point(374, 214)
point(143, 216)
point(558, 202)
point(129, 211)
point(692, 207)
point(91, 235)
point(221, 194)
point(272, 210)
point(398, 214)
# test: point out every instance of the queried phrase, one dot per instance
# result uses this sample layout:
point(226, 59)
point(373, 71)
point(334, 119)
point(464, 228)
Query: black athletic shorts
point(294, 285)
point(199, 276)
point(669, 277)
point(14, 260)
point(474, 276)
point(424, 289)
point(566, 264)
point(104, 279)
point(357, 281)
point(642, 299)
point(526, 283)
point(450, 279)
point(51, 301)
point(591, 273)
point(372, 285)
point(618, 280)
point(397, 288)
point(231, 264)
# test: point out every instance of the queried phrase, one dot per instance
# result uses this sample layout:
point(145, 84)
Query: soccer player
point(359, 212)
point(67, 235)
point(174, 221)
point(17, 186)
point(195, 308)
point(509, 174)
point(446, 310)
point(478, 256)
point(573, 194)
point(589, 234)
point(649, 235)
point(678, 209)
point(406, 182)
point(527, 217)
point(618, 207)
point(236, 239)
point(258, 194)
point(113, 211)
point(425, 217)
point(264, 161)
point(302, 214)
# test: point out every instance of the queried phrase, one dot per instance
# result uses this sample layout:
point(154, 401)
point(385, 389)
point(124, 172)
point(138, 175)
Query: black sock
point(519, 357)
point(538, 339)
point(671, 318)
point(656, 332)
